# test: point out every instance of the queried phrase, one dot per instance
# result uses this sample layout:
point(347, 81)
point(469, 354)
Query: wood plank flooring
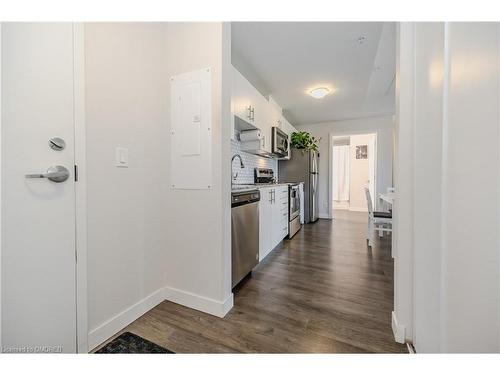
point(323, 291)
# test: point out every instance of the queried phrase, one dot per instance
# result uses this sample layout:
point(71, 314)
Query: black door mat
point(128, 343)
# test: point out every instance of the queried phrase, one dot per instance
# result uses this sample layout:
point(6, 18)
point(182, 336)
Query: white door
point(38, 215)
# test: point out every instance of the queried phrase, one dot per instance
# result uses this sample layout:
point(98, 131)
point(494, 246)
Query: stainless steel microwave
point(280, 142)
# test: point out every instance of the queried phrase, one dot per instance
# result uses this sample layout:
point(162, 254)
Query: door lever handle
point(57, 173)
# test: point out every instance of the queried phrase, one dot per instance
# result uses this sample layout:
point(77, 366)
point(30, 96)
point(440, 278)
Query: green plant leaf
point(304, 141)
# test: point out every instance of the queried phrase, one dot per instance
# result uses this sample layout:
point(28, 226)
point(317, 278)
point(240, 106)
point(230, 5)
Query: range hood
point(255, 148)
point(253, 143)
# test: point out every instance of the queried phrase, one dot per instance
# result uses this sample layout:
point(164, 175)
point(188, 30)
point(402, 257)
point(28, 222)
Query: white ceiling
point(286, 59)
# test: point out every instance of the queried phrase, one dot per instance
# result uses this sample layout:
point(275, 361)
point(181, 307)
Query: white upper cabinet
point(263, 122)
point(286, 126)
point(245, 99)
point(254, 109)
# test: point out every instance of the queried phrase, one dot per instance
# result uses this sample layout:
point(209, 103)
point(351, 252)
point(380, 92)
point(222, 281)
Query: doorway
point(353, 168)
point(43, 217)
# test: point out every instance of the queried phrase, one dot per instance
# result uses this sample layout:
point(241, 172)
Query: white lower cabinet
point(273, 218)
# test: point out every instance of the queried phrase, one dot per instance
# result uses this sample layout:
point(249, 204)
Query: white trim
point(358, 209)
point(113, 325)
point(1, 241)
point(80, 187)
point(340, 205)
point(444, 194)
point(403, 180)
point(197, 302)
point(499, 185)
point(107, 329)
point(397, 329)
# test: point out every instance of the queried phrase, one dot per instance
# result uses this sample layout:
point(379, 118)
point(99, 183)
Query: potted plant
point(304, 141)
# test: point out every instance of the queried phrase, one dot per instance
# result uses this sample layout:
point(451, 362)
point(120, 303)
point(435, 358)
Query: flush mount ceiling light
point(319, 92)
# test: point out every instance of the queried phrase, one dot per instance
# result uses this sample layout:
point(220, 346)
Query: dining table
point(387, 200)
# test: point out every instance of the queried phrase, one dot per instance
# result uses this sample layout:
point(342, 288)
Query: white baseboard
point(194, 301)
point(398, 330)
point(100, 334)
point(340, 205)
point(358, 209)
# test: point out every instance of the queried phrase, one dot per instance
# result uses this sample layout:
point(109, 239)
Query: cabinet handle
point(270, 196)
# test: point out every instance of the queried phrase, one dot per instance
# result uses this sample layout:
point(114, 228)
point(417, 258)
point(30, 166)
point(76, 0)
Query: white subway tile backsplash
point(246, 175)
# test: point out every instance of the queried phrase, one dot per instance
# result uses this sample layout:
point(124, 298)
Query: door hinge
point(76, 173)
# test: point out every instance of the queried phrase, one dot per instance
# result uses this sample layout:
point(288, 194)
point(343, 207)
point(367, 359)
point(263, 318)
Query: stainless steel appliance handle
point(57, 173)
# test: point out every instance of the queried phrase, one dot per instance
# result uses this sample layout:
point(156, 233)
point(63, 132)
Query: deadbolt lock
point(57, 144)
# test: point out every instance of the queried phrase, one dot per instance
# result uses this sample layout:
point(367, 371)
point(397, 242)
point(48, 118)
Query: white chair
point(377, 220)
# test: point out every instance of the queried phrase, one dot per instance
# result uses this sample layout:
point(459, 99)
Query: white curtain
point(340, 173)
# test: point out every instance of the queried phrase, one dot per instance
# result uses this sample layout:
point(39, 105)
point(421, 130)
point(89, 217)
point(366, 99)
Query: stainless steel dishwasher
point(244, 233)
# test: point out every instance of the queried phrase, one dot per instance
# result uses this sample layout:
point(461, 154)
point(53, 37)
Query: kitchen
point(273, 193)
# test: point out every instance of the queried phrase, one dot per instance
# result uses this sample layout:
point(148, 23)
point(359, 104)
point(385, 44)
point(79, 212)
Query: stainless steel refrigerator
point(303, 167)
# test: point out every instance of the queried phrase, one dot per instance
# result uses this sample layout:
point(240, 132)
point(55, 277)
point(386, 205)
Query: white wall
point(448, 248)
point(142, 235)
point(199, 221)
point(429, 58)
point(126, 105)
point(471, 278)
point(382, 126)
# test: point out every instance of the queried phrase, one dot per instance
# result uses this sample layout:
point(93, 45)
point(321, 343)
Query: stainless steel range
point(264, 176)
point(293, 209)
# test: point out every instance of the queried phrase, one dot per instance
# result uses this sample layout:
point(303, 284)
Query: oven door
point(294, 202)
point(280, 142)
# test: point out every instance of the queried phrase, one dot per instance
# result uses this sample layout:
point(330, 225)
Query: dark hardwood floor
point(323, 291)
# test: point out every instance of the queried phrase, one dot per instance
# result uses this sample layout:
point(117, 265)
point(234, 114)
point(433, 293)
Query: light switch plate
point(121, 155)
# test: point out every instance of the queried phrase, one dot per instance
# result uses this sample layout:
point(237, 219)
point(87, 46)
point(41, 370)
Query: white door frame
point(1, 238)
point(80, 187)
point(330, 163)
